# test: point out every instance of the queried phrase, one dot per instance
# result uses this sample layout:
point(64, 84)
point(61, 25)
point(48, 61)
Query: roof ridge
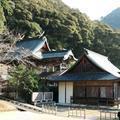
point(86, 52)
point(55, 51)
point(102, 62)
point(99, 60)
point(33, 38)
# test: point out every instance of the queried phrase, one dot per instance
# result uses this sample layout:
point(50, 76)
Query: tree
point(8, 7)
point(24, 80)
point(10, 53)
point(2, 20)
point(64, 27)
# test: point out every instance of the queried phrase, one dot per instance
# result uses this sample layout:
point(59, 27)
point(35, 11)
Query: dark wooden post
point(118, 115)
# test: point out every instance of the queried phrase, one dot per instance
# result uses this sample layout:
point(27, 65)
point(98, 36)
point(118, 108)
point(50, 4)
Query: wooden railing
point(108, 115)
point(77, 112)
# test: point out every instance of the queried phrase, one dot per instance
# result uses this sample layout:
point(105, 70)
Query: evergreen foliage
point(2, 20)
point(64, 27)
point(24, 81)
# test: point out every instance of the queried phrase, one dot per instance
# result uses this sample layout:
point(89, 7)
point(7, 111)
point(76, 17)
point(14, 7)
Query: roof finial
point(85, 51)
point(42, 34)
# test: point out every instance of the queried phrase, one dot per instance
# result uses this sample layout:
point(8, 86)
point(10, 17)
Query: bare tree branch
point(9, 52)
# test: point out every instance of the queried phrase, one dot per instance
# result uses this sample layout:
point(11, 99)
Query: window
point(106, 92)
point(109, 92)
point(92, 92)
point(102, 92)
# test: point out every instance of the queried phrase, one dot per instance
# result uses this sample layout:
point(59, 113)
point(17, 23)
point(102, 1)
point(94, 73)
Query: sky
point(95, 9)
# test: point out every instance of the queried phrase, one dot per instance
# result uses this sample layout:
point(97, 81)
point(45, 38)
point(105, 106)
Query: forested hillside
point(64, 27)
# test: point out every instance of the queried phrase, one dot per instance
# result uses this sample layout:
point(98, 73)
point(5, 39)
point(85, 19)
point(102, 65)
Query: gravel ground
point(9, 112)
point(5, 106)
point(17, 115)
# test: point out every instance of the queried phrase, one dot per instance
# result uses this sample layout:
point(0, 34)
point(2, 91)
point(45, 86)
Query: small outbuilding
point(93, 79)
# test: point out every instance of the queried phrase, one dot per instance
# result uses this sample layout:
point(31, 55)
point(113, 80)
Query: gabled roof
point(110, 72)
point(33, 44)
point(63, 54)
point(102, 62)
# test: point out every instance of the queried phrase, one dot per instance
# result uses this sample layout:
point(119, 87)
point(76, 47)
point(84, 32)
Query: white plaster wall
point(61, 92)
point(69, 91)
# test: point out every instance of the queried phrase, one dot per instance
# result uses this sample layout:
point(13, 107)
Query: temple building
point(93, 79)
point(43, 56)
point(35, 52)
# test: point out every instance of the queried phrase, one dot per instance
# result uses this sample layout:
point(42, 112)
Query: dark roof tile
point(83, 76)
point(32, 44)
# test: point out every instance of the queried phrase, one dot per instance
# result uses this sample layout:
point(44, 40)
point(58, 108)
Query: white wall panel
point(68, 86)
point(69, 91)
point(61, 92)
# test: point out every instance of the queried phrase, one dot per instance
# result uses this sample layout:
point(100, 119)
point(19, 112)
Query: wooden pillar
point(53, 69)
point(65, 91)
point(60, 67)
point(47, 67)
point(115, 91)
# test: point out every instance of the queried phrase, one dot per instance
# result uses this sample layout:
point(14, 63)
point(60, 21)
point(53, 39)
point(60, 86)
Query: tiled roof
point(64, 54)
point(83, 76)
point(33, 44)
point(102, 62)
point(110, 71)
point(49, 74)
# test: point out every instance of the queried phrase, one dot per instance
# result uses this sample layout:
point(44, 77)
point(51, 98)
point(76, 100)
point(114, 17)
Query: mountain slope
point(113, 19)
point(63, 26)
